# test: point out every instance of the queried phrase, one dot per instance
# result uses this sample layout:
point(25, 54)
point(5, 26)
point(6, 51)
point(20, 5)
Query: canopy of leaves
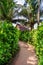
point(6, 7)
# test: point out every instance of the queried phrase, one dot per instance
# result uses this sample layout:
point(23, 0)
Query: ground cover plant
point(9, 37)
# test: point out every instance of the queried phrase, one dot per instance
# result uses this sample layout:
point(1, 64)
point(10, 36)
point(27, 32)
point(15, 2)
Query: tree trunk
point(38, 15)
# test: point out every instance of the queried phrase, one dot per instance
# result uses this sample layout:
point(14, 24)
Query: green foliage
point(25, 36)
point(6, 7)
point(41, 60)
point(37, 40)
point(9, 37)
point(24, 12)
point(33, 4)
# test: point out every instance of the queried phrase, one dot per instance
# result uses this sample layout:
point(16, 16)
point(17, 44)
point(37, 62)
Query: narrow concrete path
point(26, 55)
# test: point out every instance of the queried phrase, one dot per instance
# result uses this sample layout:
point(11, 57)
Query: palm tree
point(7, 8)
point(33, 4)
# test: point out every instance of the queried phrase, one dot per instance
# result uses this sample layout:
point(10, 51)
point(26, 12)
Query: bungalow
point(19, 18)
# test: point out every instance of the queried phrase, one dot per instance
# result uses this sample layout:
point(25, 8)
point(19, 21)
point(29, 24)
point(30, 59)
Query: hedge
point(9, 37)
point(37, 40)
point(25, 36)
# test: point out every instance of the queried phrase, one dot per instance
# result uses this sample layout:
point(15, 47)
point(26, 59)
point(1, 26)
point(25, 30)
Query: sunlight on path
point(26, 55)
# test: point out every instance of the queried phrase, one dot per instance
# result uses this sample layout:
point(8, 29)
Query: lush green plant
point(9, 37)
point(6, 8)
point(25, 36)
point(37, 40)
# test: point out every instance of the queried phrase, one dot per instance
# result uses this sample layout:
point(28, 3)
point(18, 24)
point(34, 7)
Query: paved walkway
point(26, 55)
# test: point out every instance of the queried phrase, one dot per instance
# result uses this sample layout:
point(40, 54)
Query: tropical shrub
point(25, 36)
point(40, 41)
point(37, 40)
point(9, 37)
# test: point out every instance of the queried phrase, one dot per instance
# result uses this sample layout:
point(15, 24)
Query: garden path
point(26, 55)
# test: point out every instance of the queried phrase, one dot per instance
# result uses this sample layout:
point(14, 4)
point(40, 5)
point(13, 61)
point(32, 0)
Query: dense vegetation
point(37, 41)
point(6, 9)
point(25, 36)
point(9, 37)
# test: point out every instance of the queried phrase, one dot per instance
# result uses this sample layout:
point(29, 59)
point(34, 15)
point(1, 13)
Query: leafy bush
point(37, 40)
point(25, 36)
point(40, 43)
point(9, 37)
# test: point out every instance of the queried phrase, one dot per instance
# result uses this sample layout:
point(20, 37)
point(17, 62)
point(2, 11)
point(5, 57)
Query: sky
point(41, 6)
point(20, 2)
